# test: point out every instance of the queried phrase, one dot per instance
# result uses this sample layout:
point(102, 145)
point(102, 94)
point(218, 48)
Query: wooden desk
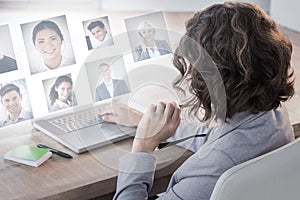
point(89, 175)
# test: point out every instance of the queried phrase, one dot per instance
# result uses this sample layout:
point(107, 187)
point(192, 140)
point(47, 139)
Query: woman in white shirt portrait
point(48, 40)
point(149, 47)
point(61, 93)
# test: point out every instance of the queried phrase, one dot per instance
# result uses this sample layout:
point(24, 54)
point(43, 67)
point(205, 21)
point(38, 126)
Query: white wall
point(124, 5)
point(286, 13)
point(168, 5)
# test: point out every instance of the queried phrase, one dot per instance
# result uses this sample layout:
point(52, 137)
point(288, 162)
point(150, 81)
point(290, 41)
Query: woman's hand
point(121, 114)
point(158, 123)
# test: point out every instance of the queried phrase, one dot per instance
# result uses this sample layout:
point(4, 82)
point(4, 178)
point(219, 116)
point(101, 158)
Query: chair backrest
point(273, 176)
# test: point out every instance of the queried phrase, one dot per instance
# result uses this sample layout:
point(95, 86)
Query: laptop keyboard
point(74, 121)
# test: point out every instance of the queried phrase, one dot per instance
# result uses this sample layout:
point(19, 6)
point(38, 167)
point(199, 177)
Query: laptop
point(82, 129)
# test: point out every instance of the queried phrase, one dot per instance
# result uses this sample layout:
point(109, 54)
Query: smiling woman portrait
point(60, 95)
point(48, 40)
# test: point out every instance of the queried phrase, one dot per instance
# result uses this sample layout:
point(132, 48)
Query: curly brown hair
point(250, 53)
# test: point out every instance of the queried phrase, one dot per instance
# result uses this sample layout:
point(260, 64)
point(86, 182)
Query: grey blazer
point(7, 64)
point(139, 54)
point(241, 138)
point(102, 93)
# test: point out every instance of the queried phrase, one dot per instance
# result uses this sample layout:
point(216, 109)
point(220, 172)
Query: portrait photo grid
point(44, 82)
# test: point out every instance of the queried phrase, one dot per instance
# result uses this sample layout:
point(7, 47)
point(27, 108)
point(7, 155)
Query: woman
point(48, 39)
point(61, 94)
point(150, 47)
point(253, 59)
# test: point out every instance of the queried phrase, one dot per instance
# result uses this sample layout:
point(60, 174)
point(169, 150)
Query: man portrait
point(11, 100)
point(109, 87)
point(107, 77)
point(98, 33)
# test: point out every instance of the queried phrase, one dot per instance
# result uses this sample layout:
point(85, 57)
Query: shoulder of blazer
point(162, 44)
point(101, 86)
point(117, 81)
point(138, 49)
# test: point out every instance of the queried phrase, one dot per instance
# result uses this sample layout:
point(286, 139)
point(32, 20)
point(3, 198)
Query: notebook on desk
point(82, 129)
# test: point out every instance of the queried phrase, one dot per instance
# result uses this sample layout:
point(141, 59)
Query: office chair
point(273, 176)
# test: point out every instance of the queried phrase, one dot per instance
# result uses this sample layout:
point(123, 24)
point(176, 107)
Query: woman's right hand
point(157, 124)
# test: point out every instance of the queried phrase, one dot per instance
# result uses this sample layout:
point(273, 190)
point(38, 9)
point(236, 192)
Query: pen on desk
point(60, 153)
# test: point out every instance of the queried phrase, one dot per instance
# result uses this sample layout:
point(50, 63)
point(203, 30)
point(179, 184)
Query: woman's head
point(61, 89)
point(47, 38)
point(250, 53)
point(146, 31)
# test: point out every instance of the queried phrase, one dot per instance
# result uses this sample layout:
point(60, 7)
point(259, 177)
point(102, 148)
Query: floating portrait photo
point(148, 36)
point(7, 56)
point(15, 103)
point(107, 78)
point(48, 44)
point(97, 33)
point(59, 92)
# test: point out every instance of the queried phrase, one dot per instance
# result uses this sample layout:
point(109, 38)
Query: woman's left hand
point(158, 123)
